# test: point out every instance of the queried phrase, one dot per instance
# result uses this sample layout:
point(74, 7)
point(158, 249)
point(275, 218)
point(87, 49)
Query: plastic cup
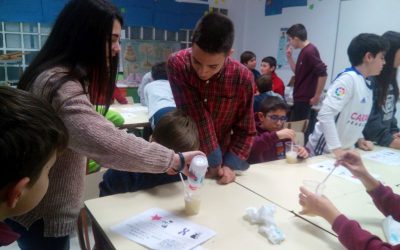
point(314, 186)
point(192, 202)
point(291, 152)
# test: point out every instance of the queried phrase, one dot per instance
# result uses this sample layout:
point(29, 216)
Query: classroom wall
point(261, 33)
point(358, 16)
point(236, 12)
point(331, 25)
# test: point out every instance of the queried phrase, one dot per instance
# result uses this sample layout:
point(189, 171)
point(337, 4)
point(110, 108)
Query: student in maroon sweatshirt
point(349, 232)
point(269, 143)
point(310, 72)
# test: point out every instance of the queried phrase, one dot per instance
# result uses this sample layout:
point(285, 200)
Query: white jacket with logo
point(343, 114)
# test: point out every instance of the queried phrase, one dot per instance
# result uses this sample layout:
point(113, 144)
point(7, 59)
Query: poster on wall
point(137, 58)
point(281, 57)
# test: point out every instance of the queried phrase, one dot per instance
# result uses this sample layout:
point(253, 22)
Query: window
point(24, 38)
point(28, 38)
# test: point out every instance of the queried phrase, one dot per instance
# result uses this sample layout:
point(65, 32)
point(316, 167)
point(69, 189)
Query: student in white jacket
point(348, 103)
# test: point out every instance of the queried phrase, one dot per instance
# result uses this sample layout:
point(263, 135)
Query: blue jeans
point(115, 181)
point(33, 239)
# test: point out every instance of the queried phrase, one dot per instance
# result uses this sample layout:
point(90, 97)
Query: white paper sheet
point(326, 166)
point(385, 156)
point(128, 116)
point(160, 229)
point(133, 109)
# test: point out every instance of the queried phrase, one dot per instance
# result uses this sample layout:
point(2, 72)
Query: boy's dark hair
point(388, 75)
point(159, 71)
point(214, 33)
point(364, 43)
point(270, 60)
point(246, 56)
point(273, 103)
point(177, 131)
point(264, 83)
point(297, 30)
point(30, 132)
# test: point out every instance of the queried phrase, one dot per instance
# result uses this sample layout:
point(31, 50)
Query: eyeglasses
point(276, 118)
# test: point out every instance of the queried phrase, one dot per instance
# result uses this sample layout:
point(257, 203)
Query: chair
point(83, 230)
point(91, 192)
point(300, 127)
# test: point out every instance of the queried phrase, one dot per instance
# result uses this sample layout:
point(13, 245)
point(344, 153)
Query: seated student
point(174, 130)
point(145, 80)
point(268, 67)
point(348, 102)
point(264, 87)
point(31, 136)
point(382, 124)
point(269, 143)
point(158, 94)
point(249, 60)
point(349, 232)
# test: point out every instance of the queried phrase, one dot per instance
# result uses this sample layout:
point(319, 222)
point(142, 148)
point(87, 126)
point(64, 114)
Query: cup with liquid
point(192, 202)
point(291, 151)
point(192, 195)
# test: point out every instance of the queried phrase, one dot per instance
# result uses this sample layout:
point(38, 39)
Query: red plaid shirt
point(222, 108)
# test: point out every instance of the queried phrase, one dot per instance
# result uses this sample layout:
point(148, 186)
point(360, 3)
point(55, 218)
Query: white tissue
point(264, 217)
point(391, 228)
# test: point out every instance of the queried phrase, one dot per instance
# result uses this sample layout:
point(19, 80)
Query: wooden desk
point(135, 115)
point(279, 182)
point(222, 210)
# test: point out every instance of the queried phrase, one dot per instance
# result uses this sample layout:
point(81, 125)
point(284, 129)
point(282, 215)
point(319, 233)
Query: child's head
point(264, 83)
point(212, 42)
point(297, 34)
point(176, 131)
point(248, 59)
point(392, 56)
point(368, 50)
point(268, 65)
point(273, 113)
point(388, 74)
point(31, 136)
point(159, 71)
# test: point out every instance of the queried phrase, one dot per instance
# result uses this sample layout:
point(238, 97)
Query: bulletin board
point(137, 57)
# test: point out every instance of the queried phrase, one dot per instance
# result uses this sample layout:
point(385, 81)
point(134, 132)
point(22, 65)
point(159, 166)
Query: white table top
point(135, 115)
point(279, 182)
point(222, 210)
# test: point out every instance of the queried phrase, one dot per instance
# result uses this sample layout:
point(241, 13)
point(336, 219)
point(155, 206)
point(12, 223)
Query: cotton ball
point(252, 215)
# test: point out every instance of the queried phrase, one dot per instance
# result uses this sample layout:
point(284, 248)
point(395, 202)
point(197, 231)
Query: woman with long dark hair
point(382, 125)
point(76, 67)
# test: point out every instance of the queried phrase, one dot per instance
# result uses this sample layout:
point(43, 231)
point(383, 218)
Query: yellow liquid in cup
point(291, 157)
point(192, 205)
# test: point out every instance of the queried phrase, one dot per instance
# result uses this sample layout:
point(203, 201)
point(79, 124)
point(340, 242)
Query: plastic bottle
point(197, 170)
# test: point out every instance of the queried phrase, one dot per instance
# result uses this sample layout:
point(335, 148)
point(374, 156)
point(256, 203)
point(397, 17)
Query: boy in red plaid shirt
point(216, 92)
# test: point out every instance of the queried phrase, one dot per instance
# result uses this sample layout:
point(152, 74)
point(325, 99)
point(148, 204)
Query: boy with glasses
point(269, 143)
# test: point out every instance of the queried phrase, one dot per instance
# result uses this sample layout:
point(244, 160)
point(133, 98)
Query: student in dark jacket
point(382, 125)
